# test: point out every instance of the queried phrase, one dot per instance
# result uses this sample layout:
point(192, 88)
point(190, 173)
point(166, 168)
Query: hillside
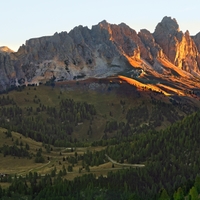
point(161, 162)
point(89, 110)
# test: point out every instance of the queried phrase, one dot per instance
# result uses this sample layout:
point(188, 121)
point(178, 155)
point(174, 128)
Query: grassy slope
point(104, 103)
point(21, 166)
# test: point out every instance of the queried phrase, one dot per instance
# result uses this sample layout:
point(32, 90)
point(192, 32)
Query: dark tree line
point(51, 125)
point(119, 185)
point(14, 151)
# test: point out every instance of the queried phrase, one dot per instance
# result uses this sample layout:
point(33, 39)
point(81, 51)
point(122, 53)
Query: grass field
point(22, 166)
point(107, 105)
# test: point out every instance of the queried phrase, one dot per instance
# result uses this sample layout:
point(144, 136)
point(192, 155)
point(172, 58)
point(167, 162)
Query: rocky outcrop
point(152, 50)
point(179, 48)
point(105, 49)
point(5, 49)
point(7, 72)
point(196, 39)
point(80, 53)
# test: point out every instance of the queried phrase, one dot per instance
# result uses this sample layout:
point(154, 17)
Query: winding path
point(36, 168)
point(123, 164)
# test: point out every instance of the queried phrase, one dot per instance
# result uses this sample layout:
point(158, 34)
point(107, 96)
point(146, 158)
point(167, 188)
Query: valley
point(119, 130)
point(101, 113)
point(19, 166)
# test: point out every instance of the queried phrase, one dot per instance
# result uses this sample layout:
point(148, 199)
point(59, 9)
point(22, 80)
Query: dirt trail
point(36, 168)
point(123, 164)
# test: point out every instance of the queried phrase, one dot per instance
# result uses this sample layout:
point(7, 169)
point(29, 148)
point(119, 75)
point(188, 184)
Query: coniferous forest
point(168, 158)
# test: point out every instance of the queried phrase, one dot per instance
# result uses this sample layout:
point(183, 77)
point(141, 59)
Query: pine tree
point(193, 193)
point(64, 172)
point(197, 183)
point(164, 195)
point(179, 194)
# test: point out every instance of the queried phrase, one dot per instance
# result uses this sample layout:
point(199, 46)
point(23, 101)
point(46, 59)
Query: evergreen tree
point(197, 183)
point(164, 195)
point(179, 194)
point(193, 193)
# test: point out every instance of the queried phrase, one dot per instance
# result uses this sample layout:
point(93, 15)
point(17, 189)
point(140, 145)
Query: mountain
point(168, 56)
point(5, 49)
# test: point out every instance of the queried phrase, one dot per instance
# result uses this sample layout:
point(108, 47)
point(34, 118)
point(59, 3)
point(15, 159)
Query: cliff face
point(196, 39)
point(8, 74)
point(179, 47)
point(103, 50)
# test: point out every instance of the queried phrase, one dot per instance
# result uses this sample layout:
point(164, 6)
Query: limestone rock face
point(104, 50)
point(177, 46)
point(7, 72)
point(152, 50)
point(196, 39)
point(5, 49)
point(82, 52)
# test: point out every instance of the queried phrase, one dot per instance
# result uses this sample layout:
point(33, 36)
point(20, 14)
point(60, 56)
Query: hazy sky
point(24, 19)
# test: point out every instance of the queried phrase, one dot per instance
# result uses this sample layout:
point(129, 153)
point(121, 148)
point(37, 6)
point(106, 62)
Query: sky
point(24, 19)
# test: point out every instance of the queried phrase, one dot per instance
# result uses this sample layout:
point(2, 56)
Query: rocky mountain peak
point(105, 49)
point(178, 47)
point(5, 49)
point(103, 23)
point(169, 24)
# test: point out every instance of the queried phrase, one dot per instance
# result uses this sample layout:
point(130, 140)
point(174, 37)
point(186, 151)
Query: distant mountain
point(168, 55)
point(6, 49)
